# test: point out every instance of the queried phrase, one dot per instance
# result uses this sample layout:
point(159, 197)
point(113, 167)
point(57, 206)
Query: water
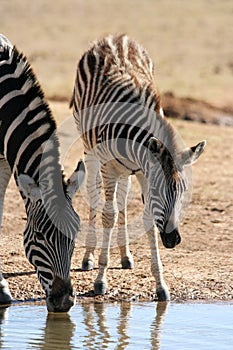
point(119, 326)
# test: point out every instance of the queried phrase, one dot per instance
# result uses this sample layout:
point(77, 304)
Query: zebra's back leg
point(5, 174)
point(123, 187)
point(93, 187)
point(162, 290)
point(108, 219)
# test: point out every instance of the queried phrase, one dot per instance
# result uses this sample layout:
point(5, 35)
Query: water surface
point(119, 326)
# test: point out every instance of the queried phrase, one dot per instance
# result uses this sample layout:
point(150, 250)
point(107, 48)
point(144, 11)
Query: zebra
point(29, 149)
point(118, 114)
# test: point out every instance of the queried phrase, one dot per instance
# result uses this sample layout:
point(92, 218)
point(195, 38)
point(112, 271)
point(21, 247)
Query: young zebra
point(29, 150)
point(117, 112)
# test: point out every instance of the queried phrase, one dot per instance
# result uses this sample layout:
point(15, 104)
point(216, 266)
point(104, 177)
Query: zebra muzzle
point(61, 297)
point(171, 239)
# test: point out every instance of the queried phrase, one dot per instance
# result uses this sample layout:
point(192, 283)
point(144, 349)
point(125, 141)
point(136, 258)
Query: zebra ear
point(155, 148)
point(76, 179)
point(28, 187)
point(190, 155)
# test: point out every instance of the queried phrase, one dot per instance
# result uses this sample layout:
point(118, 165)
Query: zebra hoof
point(87, 265)
point(100, 288)
point(163, 294)
point(5, 295)
point(127, 263)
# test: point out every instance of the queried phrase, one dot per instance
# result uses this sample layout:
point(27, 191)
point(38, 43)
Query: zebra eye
point(39, 235)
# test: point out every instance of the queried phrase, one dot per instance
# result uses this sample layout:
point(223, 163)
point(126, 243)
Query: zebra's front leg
point(5, 174)
point(162, 290)
point(93, 186)
point(123, 187)
point(108, 220)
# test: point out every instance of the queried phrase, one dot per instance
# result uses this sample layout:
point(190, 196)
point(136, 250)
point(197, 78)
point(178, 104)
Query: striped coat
point(118, 114)
point(29, 150)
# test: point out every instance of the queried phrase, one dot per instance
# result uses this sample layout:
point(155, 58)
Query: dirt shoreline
point(200, 268)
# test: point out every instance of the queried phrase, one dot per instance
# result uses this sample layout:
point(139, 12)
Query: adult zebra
point(117, 112)
point(29, 150)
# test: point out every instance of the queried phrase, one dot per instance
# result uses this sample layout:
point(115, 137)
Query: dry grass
point(191, 44)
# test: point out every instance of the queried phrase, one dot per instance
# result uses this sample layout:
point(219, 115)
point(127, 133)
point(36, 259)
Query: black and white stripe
point(29, 151)
point(117, 111)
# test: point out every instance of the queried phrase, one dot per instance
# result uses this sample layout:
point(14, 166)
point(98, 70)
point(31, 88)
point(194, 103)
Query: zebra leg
point(93, 186)
point(152, 233)
point(108, 220)
point(123, 187)
point(162, 290)
point(5, 174)
point(157, 267)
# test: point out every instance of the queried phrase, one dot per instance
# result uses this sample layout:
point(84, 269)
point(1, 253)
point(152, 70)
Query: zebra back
point(114, 59)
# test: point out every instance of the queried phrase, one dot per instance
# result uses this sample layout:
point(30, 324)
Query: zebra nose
point(171, 239)
point(61, 298)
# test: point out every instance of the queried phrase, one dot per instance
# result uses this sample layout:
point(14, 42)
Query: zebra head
point(49, 237)
point(167, 186)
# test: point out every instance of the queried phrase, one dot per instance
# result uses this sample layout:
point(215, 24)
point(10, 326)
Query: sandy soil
point(200, 268)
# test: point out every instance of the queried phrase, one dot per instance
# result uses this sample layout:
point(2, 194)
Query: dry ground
point(201, 267)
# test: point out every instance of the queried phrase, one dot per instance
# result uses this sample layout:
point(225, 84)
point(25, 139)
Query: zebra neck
point(158, 127)
point(28, 137)
point(47, 176)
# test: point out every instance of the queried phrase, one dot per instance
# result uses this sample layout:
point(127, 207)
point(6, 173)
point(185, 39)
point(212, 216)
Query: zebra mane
point(168, 135)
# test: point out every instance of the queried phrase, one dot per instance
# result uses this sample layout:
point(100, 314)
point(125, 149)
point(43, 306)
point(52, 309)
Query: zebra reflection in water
point(99, 328)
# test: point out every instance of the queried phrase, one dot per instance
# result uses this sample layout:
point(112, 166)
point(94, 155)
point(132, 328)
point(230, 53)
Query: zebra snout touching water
point(29, 150)
point(117, 111)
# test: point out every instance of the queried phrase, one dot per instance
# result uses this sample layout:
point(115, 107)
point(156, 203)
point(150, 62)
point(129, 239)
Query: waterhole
point(119, 326)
